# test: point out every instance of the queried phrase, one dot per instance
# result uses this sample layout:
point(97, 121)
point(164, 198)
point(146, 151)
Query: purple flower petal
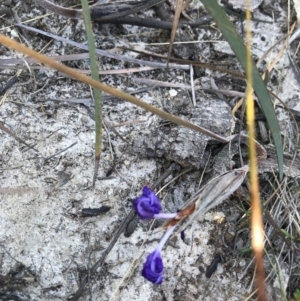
point(147, 205)
point(153, 269)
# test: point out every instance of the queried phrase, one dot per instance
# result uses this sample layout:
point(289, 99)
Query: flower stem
point(165, 215)
point(165, 238)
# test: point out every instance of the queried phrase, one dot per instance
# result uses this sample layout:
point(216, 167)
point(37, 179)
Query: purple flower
point(148, 206)
point(153, 269)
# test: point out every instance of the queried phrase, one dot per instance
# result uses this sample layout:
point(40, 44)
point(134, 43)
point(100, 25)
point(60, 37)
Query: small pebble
point(173, 93)
point(242, 263)
point(14, 34)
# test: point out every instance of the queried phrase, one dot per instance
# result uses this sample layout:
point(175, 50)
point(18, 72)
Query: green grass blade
point(239, 48)
point(287, 234)
point(96, 92)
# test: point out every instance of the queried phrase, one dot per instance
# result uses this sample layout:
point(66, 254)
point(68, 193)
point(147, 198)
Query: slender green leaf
point(239, 48)
point(96, 92)
point(287, 234)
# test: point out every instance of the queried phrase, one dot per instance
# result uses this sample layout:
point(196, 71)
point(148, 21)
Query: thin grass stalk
point(179, 5)
point(257, 235)
point(96, 92)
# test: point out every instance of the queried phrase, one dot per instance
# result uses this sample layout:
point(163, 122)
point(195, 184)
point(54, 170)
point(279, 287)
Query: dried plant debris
point(213, 265)
point(89, 212)
point(179, 144)
point(229, 157)
point(13, 284)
